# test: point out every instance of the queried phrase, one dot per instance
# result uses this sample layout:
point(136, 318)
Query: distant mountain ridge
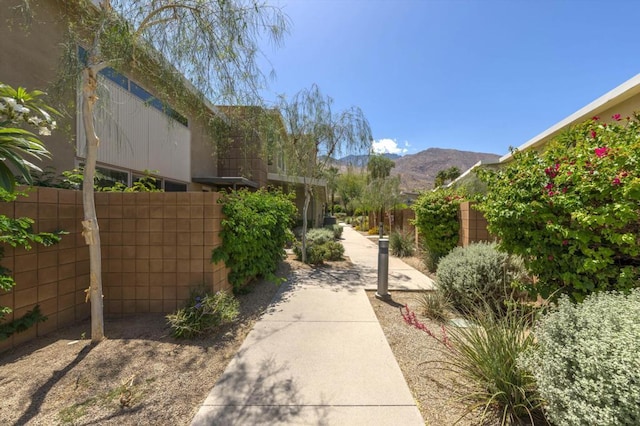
point(361, 160)
point(418, 171)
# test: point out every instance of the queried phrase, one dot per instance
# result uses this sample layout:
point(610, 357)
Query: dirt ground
point(141, 375)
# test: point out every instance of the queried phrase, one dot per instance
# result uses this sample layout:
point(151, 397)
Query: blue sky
point(478, 75)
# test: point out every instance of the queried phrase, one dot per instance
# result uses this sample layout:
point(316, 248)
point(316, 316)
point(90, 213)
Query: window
point(109, 177)
point(172, 186)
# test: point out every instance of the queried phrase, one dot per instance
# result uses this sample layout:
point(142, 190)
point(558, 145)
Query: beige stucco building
point(623, 100)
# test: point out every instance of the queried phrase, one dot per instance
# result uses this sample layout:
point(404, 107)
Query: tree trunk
point(91, 231)
point(332, 202)
point(305, 209)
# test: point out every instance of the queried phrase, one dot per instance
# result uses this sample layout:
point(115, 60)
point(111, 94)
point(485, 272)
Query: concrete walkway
point(318, 356)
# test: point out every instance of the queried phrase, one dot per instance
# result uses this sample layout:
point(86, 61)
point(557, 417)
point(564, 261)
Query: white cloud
point(389, 146)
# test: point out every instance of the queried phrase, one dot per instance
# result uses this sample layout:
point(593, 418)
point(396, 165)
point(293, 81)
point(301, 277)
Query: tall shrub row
point(573, 211)
point(254, 234)
point(437, 223)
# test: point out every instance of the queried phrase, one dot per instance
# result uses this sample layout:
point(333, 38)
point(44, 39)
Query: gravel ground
point(420, 358)
point(140, 375)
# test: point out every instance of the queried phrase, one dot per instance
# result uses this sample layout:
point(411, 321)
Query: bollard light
point(383, 269)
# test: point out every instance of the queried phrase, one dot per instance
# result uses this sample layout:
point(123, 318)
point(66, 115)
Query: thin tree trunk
point(305, 209)
point(91, 231)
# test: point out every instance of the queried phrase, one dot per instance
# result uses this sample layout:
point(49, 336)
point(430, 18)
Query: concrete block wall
point(155, 248)
point(401, 220)
point(473, 225)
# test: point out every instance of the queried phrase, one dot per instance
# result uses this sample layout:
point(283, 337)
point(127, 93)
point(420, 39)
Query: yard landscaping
point(141, 375)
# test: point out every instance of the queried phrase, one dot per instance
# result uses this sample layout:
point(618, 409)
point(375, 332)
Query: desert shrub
point(320, 247)
point(203, 313)
point(319, 235)
point(373, 231)
point(402, 244)
point(572, 211)
point(254, 234)
point(477, 276)
point(437, 223)
point(334, 250)
point(434, 305)
point(336, 229)
point(586, 362)
point(486, 354)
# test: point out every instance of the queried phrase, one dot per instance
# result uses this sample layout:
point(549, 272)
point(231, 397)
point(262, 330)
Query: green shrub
point(318, 252)
point(321, 245)
point(254, 234)
point(477, 276)
point(402, 244)
point(319, 235)
point(203, 313)
point(486, 354)
point(434, 305)
point(572, 211)
point(587, 361)
point(336, 229)
point(437, 223)
point(333, 250)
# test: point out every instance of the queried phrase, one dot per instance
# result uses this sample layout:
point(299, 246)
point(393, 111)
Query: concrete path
point(318, 356)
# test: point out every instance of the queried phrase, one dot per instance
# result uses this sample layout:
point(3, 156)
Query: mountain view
point(418, 171)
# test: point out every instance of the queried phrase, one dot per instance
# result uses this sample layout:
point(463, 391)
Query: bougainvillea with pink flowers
point(573, 211)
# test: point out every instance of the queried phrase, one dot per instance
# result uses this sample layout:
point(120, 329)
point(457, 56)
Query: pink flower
point(616, 181)
point(616, 117)
point(552, 171)
point(601, 152)
point(593, 134)
point(595, 118)
point(549, 186)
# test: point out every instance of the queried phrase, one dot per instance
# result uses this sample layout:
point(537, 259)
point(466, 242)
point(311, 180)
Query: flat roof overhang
point(275, 177)
point(230, 181)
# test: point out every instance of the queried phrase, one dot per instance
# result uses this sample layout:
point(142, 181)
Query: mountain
point(361, 160)
point(418, 171)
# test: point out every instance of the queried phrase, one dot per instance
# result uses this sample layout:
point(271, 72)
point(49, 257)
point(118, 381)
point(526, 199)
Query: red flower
point(593, 134)
point(601, 152)
point(616, 117)
point(615, 181)
point(595, 118)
